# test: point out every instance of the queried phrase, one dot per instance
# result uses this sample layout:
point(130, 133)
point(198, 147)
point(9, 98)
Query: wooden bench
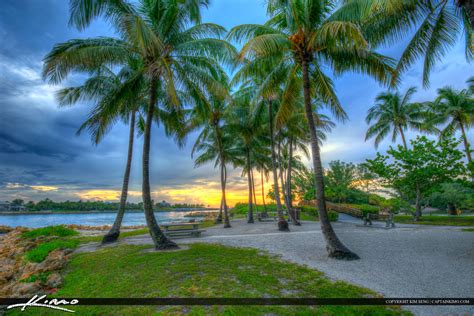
point(381, 216)
point(177, 230)
point(267, 217)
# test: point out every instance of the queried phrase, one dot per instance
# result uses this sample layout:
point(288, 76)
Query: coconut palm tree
point(175, 50)
point(245, 128)
point(434, 27)
point(393, 113)
point(455, 110)
point(304, 36)
point(214, 144)
point(103, 88)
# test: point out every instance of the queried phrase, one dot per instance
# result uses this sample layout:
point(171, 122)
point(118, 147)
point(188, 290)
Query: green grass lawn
point(470, 230)
point(458, 220)
point(202, 271)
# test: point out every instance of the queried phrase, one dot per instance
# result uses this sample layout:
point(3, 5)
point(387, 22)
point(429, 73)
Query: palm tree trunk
point(249, 176)
point(219, 216)
point(403, 137)
point(254, 194)
point(224, 200)
point(291, 211)
point(466, 143)
point(284, 189)
point(159, 239)
point(334, 246)
point(263, 194)
point(114, 232)
point(282, 223)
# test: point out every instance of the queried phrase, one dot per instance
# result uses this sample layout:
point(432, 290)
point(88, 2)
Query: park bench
point(177, 230)
point(381, 216)
point(267, 217)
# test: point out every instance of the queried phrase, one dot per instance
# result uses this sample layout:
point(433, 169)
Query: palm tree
point(104, 89)
point(393, 113)
point(455, 110)
point(245, 128)
point(175, 50)
point(303, 36)
point(214, 144)
point(435, 26)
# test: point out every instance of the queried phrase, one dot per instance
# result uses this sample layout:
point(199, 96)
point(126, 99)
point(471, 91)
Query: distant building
point(163, 204)
point(6, 206)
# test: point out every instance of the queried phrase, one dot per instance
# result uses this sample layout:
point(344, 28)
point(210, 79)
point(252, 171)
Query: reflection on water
point(94, 219)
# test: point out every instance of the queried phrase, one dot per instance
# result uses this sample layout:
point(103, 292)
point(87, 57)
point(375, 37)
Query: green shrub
point(59, 231)
point(42, 277)
point(333, 216)
point(312, 211)
point(364, 208)
point(40, 252)
point(242, 208)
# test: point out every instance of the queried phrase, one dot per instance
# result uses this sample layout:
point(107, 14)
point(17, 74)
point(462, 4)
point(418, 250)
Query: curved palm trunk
point(224, 200)
point(263, 195)
point(249, 177)
point(159, 239)
point(114, 232)
point(289, 205)
point(334, 246)
point(403, 137)
point(467, 147)
point(282, 223)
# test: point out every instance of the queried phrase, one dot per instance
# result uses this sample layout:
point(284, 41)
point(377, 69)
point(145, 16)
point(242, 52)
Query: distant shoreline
point(103, 212)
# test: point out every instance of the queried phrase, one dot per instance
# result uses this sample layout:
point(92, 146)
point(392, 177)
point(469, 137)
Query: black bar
point(254, 301)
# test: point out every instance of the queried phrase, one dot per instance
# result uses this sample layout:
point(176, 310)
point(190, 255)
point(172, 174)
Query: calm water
point(94, 219)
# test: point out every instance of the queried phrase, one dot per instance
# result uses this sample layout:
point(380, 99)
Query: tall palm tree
point(393, 113)
point(103, 88)
point(455, 110)
point(307, 35)
point(245, 127)
point(214, 144)
point(175, 50)
point(435, 26)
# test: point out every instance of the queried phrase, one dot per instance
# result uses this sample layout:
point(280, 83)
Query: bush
point(40, 252)
point(59, 231)
point(41, 277)
point(242, 208)
point(312, 211)
point(364, 208)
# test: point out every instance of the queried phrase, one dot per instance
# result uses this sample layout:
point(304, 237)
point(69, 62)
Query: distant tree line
point(50, 205)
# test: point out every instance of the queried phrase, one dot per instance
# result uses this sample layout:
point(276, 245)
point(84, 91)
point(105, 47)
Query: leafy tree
point(340, 179)
point(453, 196)
point(365, 177)
point(420, 170)
point(393, 113)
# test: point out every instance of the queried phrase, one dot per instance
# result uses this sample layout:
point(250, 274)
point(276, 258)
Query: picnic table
point(182, 229)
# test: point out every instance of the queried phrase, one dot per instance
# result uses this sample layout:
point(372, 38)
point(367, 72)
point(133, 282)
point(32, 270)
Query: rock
point(14, 269)
point(54, 280)
point(26, 289)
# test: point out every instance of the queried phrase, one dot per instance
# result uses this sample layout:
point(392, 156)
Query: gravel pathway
point(407, 261)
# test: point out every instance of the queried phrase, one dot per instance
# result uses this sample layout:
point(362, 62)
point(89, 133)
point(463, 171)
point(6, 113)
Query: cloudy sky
point(40, 155)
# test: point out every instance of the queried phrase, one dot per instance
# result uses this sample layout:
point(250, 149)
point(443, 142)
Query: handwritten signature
point(39, 301)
